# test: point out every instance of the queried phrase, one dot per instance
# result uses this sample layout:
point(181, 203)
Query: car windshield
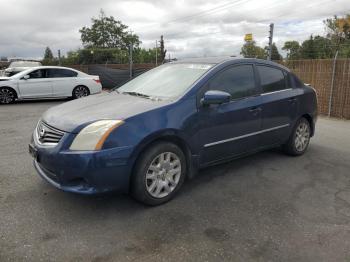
point(168, 81)
point(24, 64)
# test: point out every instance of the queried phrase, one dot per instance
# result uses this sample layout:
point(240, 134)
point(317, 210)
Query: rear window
point(296, 82)
point(271, 79)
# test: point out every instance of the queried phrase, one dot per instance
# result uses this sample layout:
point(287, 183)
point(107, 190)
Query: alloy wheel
point(163, 174)
point(80, 92)
point(302, 136)
point(6, 96)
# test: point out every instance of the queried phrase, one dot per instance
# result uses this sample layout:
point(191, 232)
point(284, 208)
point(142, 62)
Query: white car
point(48, 82)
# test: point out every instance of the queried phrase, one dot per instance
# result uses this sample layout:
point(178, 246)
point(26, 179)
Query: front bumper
point(84, 172)
point(51, 178)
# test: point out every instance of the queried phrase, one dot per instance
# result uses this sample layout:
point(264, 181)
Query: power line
point(208, 11)
point(258, 21)
point(266, 19)
point(229, 5)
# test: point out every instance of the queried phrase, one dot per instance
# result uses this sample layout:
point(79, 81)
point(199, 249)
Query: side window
point(53, 73)
point(238, 81)
point(272, 79)
point(40, 73)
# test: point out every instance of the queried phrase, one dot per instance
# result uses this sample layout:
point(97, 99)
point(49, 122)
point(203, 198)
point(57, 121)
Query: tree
point(162, 50)
point(275, 55)
point(338, 32)
point(293, 49)
point(338, 28)
point(323, 47)
point(251, 50)
point(317, 47)
point(49, 58)
point(308, 50)
point(48, 54)
point(109, 55)
point(106, 32)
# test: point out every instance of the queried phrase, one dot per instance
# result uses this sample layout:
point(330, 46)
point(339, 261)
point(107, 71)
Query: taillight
point(98, 81)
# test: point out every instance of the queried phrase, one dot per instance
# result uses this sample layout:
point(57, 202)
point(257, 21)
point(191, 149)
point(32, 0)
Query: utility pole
point(270, 41)
point(156, 52)
point(59, 56)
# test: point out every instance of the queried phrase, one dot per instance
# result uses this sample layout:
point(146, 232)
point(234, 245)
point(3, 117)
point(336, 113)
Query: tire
point(159, 173)
point(299, 140)
point(80, 92)
point(7, 95)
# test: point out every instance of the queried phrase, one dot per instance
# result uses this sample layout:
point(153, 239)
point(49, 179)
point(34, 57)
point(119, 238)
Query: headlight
point(94, 135)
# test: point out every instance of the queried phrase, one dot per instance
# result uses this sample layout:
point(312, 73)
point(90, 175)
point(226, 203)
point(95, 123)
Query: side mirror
point(215, 97)
point(26, 77)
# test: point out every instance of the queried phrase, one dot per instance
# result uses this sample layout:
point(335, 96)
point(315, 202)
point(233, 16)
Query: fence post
point(332, 85)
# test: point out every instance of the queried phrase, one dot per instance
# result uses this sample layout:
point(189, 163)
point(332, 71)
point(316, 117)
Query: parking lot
point(268, 207)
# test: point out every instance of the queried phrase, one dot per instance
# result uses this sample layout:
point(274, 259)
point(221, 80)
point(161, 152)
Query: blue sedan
point(151, 134)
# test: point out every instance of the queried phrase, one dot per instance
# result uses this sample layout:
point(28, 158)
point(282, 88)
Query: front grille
point(47, 134)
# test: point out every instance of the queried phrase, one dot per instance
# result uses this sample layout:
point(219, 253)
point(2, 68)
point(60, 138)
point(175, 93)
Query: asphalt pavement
point(265, 207)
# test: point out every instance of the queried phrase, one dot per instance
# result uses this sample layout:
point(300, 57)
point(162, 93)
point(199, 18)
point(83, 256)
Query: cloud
point(190, 28)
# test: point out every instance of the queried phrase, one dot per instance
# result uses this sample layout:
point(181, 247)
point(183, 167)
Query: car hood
point(68, 116)
point(5, 78)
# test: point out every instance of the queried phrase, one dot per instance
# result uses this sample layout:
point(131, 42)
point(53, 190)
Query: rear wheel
point(7, 95)
point(80, 91)
point(159, 174)
point(300, 138)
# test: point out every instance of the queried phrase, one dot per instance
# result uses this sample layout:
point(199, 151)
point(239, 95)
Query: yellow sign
point(248, 37)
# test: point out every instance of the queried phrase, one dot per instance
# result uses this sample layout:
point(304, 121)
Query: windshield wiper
point(141, 95)
point(137, 94)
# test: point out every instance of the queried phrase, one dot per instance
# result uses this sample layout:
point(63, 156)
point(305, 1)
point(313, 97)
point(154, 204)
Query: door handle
point(292, 100)
point(255, 110)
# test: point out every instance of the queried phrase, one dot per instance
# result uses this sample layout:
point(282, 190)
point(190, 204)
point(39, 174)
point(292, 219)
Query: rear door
point(63, 81)
point(279, 104)
point(36, 86)
point(231, 128)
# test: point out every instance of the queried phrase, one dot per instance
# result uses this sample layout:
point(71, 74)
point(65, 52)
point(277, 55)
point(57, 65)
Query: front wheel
point(7, 95)
point(80, 91)
point(299, 139)
point(159, 173)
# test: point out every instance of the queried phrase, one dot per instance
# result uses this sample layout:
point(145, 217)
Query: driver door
point(38, 85)
point(231, 128)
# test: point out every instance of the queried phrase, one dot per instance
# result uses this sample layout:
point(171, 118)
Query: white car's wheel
point(7, 95)
point(80, 91)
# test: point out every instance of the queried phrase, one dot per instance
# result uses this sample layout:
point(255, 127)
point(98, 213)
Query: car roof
point(205, 60)
point(30, 69)
point(54, 67)
point(228, 59)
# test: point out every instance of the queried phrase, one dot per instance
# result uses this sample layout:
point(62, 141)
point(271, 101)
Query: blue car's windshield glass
point(167, 81)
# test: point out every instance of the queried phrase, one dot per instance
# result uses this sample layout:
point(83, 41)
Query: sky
point(192, 28)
